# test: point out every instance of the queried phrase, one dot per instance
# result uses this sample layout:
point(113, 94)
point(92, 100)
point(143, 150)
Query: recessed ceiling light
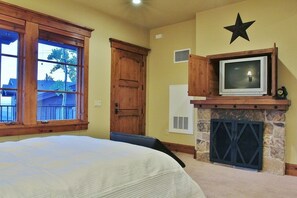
point(136, 2)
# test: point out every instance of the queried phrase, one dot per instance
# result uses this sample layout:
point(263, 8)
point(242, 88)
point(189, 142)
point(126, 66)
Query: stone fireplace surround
point(274, 134)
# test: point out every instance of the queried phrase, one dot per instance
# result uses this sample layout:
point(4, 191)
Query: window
point(43, 73)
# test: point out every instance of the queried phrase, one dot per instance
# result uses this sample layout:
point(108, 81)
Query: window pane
point(9, 42)
point(56, 106)
point(8, 75)
point(8, 72)
point(57, 52)
point(56, 77)
point(8, 106)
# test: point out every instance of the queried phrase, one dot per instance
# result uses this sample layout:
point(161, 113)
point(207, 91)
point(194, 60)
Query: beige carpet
point(220, 181)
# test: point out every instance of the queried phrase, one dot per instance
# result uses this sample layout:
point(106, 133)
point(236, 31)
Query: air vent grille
point(181, 56)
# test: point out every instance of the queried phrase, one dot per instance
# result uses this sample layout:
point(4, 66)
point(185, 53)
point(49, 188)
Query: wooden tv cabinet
point(203, 80)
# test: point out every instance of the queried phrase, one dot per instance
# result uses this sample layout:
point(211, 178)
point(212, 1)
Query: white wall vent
point(181, 56)
point(180, 122)
point(181, 112)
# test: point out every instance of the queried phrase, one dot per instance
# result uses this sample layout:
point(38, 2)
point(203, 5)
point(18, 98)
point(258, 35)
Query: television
point(243, 76)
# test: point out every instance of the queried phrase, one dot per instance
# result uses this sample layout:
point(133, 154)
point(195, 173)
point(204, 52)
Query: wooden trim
point(29, 74)
point(42, 19)
point(42, 128)
point(13, 20)
point(128, 47)
point(258, 52)
point(291, 169)
point(85, 81)
point(61, 36)
point(143, 100)
point(229, 102)
point(274, 68)
point(11, 23)
point(48, 31)
point(112, 87)
point(180, 148)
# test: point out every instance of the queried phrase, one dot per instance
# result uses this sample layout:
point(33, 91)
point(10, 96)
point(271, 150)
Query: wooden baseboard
point(291, 169)
point(180, 148)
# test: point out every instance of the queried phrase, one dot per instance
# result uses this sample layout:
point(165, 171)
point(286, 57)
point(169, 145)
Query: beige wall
point(162, 72)
point(275, 23)
point(100, 53)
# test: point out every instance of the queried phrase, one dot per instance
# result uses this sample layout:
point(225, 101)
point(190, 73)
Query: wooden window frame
point(32, 26)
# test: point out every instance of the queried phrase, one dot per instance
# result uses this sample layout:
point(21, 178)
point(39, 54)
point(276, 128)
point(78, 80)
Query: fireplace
point(273, 142)
point(236, 142)
point(204, 80)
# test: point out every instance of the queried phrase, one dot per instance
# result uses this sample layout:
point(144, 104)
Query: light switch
point(97, 103)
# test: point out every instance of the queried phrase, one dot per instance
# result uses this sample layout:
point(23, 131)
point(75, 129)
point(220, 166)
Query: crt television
point(243, 76)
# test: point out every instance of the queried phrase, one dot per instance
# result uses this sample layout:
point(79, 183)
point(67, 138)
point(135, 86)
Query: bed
point(81, 166)
point(146, 141)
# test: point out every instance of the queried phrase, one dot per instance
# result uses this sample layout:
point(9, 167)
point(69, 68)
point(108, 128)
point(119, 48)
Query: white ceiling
point(155, 13)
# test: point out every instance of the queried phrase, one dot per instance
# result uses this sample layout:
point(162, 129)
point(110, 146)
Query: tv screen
point(245, 76)
point(241, 75)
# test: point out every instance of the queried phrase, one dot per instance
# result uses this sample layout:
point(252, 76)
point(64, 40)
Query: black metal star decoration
point(239, 29)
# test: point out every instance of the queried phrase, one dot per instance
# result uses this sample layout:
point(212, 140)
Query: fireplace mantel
point(242, 102)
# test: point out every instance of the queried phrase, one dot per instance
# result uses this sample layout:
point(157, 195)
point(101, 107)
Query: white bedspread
point(80, 166)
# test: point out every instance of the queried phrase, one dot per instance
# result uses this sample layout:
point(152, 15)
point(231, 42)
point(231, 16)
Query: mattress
point(81, 166)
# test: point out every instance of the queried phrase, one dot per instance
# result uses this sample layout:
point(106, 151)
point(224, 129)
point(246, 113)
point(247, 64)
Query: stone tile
point(275, 116)
point(202, 156)
point(198, 141)
point(268, 128)
point(202, 146)
point(273, 166)
point(206, 137)
point(204, 114)
point(252, 115)
point(279, 131)
point(267, 140)
point(266, 151)
point(279, 124)
point(275, 153)
point(278, 143)
point(199, 135)
point(203, 126)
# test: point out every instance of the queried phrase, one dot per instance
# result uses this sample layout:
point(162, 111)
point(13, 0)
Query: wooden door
point(202, 77)
point(197, 76)
point(128, 76)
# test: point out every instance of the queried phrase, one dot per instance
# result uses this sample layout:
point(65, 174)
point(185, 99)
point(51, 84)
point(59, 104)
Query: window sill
point(58, 126)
